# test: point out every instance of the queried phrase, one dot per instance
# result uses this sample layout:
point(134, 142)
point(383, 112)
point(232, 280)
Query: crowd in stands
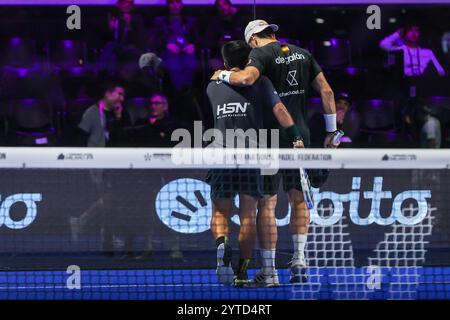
point(59, 92)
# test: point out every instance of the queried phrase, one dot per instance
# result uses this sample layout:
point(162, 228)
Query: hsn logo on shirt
point(233, 109)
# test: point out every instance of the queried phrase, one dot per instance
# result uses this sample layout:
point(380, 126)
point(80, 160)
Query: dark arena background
point(113, 215)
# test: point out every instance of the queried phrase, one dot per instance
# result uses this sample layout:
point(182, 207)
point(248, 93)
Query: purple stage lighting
point(211, 2)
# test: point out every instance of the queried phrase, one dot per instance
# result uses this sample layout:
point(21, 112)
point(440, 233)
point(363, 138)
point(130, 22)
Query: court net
point(136, 224)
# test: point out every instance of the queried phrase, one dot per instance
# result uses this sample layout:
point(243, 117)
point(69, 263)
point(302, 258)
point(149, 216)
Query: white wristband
point(225, 76)
point(330, 122)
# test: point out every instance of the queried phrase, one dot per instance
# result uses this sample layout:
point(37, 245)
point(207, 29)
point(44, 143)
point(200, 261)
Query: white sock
point(268, 261)
point(220, 254)
point(299, 245)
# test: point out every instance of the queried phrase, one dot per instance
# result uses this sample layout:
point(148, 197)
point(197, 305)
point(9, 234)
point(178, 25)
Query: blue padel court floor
point(324, 283)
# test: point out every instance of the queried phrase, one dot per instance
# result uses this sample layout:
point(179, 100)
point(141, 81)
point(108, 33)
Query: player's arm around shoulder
point(246, 77)
point(243, 78)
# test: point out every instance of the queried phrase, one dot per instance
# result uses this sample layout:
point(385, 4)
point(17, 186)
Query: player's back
point(240, 109)
point(286, 65)
point(291, 69)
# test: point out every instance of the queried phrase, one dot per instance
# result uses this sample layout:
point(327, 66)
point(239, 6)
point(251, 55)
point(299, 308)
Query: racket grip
point(337, 137)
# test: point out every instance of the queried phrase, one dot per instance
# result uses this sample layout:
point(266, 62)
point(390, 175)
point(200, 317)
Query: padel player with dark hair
point(247, 183)
point(292, 70)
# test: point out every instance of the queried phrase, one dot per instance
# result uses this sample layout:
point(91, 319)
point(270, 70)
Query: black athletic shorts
point(290, 178)
point(227, 183)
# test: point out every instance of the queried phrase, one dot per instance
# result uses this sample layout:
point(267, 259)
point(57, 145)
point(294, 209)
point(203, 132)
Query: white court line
point(137, 286)
point(195, 285)
point(110, 286)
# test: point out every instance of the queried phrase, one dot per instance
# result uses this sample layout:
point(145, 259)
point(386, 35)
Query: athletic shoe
point(176, 254)
point(241, 280)
point(262, 280)
point(224, 270)
point(127, 255)
point(147, 254)
point(298, 271)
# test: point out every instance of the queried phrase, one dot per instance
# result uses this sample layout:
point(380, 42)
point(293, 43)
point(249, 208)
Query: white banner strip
point(166, 158)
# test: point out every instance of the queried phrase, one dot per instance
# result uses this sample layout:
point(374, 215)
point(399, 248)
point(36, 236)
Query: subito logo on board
point(184, 205)
point(29, 199)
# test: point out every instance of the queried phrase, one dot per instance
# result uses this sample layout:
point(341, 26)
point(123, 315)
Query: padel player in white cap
point(292, 71)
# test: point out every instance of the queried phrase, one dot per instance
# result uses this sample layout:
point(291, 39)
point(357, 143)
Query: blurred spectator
point(125, 33)
point(137, 81)
point(422, 126)
point(416, 59)
point(175, 32)
point(156, 131)
point(225, 26)
point(446, 42)
point(348, 120)
point(418, 64)
point(430, 133)
point(125, 26)
point(102, 124)
point(178, 39)
point(150, 65)
point(177, 36)
point(446, 46)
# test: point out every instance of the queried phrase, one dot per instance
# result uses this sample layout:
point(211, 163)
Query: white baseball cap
point(256, 26)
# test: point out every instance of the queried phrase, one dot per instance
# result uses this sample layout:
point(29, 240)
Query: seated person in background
point(430, 133)
point(125, 26)
point(426, 132)
point(347, 119)
point(175, 31)
point(176, 36)
point(445, 41)
point(125, 32)
point(156, 131)
point(416, 59)
point(225, 26)
point(422, 126)
point(136, 80)
point(102, 124)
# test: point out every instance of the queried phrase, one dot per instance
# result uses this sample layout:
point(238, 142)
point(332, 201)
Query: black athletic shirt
point(291, 70)
point(241, 108)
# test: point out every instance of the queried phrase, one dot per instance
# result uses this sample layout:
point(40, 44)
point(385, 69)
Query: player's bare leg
point(268, 237)
point(221, 210)
point(266, 223)
point(299, 224)
point(247, 236)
